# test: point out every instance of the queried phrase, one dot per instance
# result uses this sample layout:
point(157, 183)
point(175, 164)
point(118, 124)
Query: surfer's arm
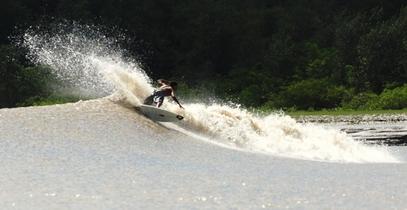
point(175, 99)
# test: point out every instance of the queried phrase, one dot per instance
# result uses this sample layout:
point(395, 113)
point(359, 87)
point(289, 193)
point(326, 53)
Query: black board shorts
point(155, 98)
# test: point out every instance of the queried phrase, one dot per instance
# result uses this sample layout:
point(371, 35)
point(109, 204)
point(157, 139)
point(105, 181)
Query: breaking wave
point(89, 61)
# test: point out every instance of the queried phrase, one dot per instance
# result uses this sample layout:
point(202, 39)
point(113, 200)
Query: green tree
point(18, 83)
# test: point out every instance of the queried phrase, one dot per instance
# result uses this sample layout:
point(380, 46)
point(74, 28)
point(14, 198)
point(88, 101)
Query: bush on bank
point(391, 99)
point(18, 82)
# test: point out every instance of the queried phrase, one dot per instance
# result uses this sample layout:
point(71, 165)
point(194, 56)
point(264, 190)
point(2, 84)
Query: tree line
point(271, 54)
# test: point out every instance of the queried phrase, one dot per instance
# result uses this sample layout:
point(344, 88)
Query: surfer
point(166, 88)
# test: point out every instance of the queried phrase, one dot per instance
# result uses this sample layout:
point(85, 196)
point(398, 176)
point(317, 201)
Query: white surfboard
point(158, 114)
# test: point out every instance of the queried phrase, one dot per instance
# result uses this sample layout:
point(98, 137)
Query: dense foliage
point(303, 54)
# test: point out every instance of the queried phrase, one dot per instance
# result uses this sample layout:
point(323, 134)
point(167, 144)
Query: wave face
point(90, 62)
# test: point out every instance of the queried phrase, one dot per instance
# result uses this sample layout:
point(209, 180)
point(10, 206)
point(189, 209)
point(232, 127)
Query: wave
point(91, 63)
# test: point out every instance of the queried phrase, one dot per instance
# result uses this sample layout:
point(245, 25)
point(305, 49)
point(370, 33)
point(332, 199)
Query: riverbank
point(352, 119)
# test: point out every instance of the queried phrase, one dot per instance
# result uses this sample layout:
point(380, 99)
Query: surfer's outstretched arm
point(176, 100)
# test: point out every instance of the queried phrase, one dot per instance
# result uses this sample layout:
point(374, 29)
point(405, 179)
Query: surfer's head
point(173, 85)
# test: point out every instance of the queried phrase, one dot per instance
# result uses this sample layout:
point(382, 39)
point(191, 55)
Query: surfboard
point(158, 114)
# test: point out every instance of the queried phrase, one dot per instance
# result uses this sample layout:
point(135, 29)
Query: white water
point(93, 64)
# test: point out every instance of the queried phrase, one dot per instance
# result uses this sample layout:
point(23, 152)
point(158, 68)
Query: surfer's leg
point(149, 100)
point(159, 101)
point(159, 104)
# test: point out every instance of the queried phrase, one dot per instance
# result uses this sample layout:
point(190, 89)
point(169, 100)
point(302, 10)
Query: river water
point(385, 133)
point(102, 155)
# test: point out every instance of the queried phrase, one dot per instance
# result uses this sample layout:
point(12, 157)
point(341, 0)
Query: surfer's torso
point(164, 91)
